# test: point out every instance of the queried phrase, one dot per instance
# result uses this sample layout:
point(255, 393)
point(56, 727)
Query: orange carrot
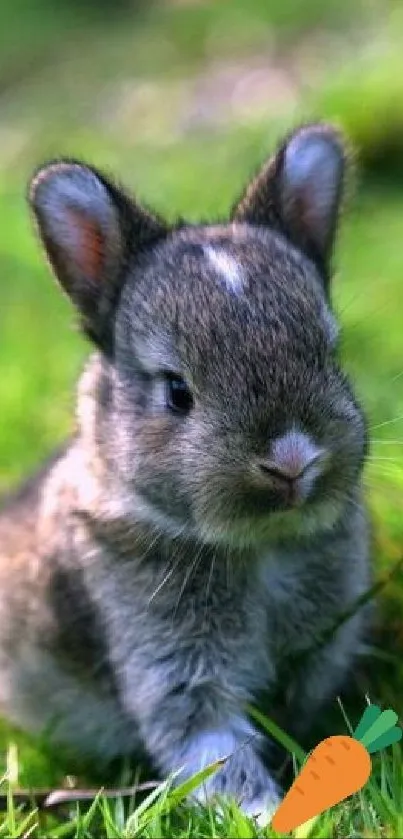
point(337, 768)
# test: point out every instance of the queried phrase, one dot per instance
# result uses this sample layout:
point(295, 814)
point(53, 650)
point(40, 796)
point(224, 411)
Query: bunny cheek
point(157, 476)
point(155, 439)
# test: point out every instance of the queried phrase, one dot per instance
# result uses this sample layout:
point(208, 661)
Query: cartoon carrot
point(337, 768)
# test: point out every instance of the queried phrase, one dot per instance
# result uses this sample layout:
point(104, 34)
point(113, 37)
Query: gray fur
point(155, 579)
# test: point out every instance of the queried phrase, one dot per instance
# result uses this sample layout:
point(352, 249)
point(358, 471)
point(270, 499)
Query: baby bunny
point(204, 525)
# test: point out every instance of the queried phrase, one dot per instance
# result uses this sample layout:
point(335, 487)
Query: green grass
point(61, 75)
point(376, 811)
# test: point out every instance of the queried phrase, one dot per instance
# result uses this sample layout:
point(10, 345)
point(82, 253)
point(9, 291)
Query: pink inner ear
point(89, 247)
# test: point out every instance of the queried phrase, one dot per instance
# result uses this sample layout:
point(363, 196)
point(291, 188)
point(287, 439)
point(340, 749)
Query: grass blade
point(182, 791)
point(168, 799)
point(275, 731)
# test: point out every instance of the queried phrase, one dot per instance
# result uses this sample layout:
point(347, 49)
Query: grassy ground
point(169, 100)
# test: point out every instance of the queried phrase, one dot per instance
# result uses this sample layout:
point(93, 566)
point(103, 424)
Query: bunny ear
point(89, 228)
point(299, 191)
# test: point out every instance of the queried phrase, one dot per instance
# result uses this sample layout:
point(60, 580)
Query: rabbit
point(175, 561)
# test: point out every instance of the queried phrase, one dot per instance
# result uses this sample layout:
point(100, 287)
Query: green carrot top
point(376, 729)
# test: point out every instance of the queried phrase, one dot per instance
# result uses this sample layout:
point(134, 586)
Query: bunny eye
point(178, 396)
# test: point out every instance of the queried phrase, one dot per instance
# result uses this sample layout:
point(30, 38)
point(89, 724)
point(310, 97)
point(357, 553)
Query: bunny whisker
point(386, 422)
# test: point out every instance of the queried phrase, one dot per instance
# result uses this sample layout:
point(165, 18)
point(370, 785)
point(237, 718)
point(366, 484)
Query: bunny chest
point(200, 635)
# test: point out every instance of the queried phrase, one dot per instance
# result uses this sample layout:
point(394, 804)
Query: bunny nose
point(294, 463)
point(288, 472)
point(281, 483)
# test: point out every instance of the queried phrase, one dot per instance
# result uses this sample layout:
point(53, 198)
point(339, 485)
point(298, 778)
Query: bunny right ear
point(299, 191)
point(89, 229)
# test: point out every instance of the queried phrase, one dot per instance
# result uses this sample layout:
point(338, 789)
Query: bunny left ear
point(91, 230)
point(299, 191)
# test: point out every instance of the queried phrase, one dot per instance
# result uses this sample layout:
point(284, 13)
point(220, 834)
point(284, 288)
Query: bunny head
point(221, 405)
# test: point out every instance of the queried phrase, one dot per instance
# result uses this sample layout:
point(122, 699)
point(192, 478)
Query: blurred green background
point(181, 100)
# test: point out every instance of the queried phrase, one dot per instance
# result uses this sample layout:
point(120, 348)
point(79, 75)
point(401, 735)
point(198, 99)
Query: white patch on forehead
point(227, 267)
